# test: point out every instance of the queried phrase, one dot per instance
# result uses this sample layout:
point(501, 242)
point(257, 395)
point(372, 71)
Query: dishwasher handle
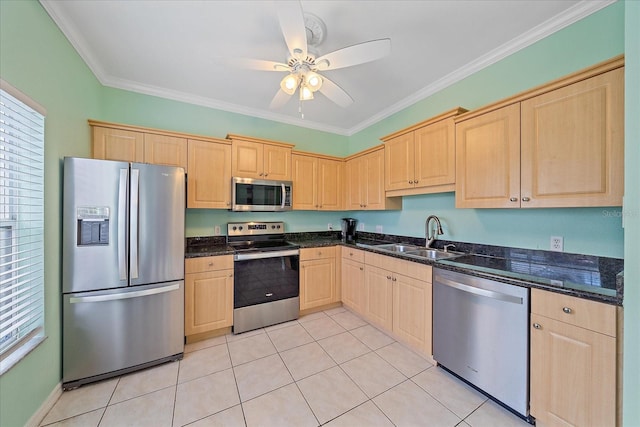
point(479, 291)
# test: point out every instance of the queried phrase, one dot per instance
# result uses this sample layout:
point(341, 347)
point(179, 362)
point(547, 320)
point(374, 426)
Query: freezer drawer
point(109, 331)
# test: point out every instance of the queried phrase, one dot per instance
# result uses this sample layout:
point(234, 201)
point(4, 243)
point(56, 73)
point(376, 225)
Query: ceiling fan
point(302, 32)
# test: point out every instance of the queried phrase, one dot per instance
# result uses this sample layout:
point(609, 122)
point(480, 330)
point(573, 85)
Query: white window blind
point(21, 229)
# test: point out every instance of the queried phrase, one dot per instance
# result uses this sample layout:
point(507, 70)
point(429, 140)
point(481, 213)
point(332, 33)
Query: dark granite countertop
point(584, 276)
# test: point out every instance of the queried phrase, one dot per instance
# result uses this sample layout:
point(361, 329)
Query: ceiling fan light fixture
point(289, 84)
point(313, 81)
point(305, 92)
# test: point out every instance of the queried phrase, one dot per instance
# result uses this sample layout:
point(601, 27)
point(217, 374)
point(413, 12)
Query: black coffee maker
point(349, 229)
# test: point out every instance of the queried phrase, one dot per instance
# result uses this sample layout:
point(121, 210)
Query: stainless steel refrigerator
point(122, 268)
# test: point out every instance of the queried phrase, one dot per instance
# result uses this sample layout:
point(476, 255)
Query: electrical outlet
point(216, 230)
point(378, 229)
point(361, 226)
point(329, 226)
point(557, 243)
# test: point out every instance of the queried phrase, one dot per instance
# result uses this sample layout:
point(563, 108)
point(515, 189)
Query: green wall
point(631, 382)
point(37, 59)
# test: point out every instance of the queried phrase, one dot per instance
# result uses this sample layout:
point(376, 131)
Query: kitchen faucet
point(438, 231)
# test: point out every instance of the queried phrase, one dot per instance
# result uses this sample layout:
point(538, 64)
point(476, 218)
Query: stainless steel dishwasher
point(481, 334)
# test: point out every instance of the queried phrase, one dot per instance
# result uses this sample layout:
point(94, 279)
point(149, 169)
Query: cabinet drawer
point(592, 315)
point(317, 253)
point(208, 263)
point(408, 268)
point(353, 254)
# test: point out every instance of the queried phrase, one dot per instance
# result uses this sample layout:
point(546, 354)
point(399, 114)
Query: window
point(21, 226)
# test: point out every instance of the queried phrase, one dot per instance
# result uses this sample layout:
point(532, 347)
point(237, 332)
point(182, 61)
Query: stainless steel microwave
point(260, 195)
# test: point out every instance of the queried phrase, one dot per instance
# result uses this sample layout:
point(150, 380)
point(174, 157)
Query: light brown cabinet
point(318, 278)
point(317, 182)
point(208, 299)
point(209, 174)
point(353, 279)
point(559, 146)
point(260, 159)
point(573, 361)
point(365, 182)
point(421, 159)
point(378, 296)
point(131, 146)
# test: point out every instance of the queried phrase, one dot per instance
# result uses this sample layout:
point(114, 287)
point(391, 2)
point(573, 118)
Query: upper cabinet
point(561, 145)
point(260, 159)
point(112, 143)
point(365, 182)
point(209, 174)
point(422, 158)
point(317, 182)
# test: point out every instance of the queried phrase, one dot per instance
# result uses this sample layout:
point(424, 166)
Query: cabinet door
point(412, 312)
point(305, 182)
point(355, 191)
point(488, 160)
point(373, 180)
point(573, 144)
point(209, 175)
point(329, 185)
point(573, 375)
point(379, 296)
point(277, 162)
point(317, 282)
point(208, 301)
point(435, 154)
point(353, 292)
point(247, 159)
point(165, 150)
point(116, 144)
point(399, 154)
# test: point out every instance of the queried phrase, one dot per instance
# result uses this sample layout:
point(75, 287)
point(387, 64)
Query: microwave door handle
point(122, 223)
point(284, 196)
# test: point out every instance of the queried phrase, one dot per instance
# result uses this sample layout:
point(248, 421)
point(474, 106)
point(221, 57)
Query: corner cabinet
point(209, 174)
point(560, 145)
point(208, 299)
point(422, 158)
point(573, 361)
point(365, 182)
point(260, 159)
point(318, 285)
point(317, 182)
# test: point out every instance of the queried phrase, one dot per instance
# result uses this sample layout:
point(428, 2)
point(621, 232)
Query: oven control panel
point(254, 228)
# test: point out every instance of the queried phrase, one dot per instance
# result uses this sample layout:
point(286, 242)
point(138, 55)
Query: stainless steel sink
point(433, 254)
point(396, 247)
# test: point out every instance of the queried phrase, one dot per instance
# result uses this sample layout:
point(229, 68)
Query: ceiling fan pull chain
point(300, 109)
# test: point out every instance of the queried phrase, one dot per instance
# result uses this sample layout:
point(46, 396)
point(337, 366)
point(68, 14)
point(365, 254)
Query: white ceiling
point(175, 49)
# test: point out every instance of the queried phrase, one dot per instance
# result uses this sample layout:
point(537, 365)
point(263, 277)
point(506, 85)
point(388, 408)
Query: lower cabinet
point(353, 292)
point(378, 296)
point(573, 361)
point(318, 284)
point(412, 308)
point(208, 303)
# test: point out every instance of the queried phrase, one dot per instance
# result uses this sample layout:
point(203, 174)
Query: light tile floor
point(328, 368)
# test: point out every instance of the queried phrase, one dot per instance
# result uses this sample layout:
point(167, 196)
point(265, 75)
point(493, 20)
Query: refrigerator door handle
point(122, 224)
point(125, 295)
point(135, 193)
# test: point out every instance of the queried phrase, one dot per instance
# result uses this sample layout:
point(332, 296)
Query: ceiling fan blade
point(353, 55)
point(292, 24)
point(279, 100)
point(335, 93)
point(256, 64)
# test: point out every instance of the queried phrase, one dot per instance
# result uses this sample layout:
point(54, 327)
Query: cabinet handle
point(415, 182)
point(410, 182)
point(567, 310)
point(513, 199)
point(394, 279)
point(388, 277)
point(230, 275)
point(266, 175)
point(525, 199)
point(361, 268)
point(228, 204)
point(210, 264)
point(261, 174)
point(350, 253)
point(537, 326)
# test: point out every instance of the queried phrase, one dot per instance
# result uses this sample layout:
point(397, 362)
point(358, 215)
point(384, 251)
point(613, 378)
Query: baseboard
point(46, 406)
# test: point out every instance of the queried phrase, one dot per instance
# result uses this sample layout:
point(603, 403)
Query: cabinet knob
point(231, 275)
point(261, 174)
point(394, 279)
point(513, 199)
point(266, 175)
point(228, 204)
point(350, 253)
point(525, 199)
point(388, 277)
point(361, 268)
point(415, 181)
point(567, 310)
point(210, 264)
point(410, 182)
point(537, 326)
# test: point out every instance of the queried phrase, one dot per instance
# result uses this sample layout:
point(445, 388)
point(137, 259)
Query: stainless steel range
point(267, 275)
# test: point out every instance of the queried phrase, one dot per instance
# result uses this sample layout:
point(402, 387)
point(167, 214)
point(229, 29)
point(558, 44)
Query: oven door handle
point(269, 254)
